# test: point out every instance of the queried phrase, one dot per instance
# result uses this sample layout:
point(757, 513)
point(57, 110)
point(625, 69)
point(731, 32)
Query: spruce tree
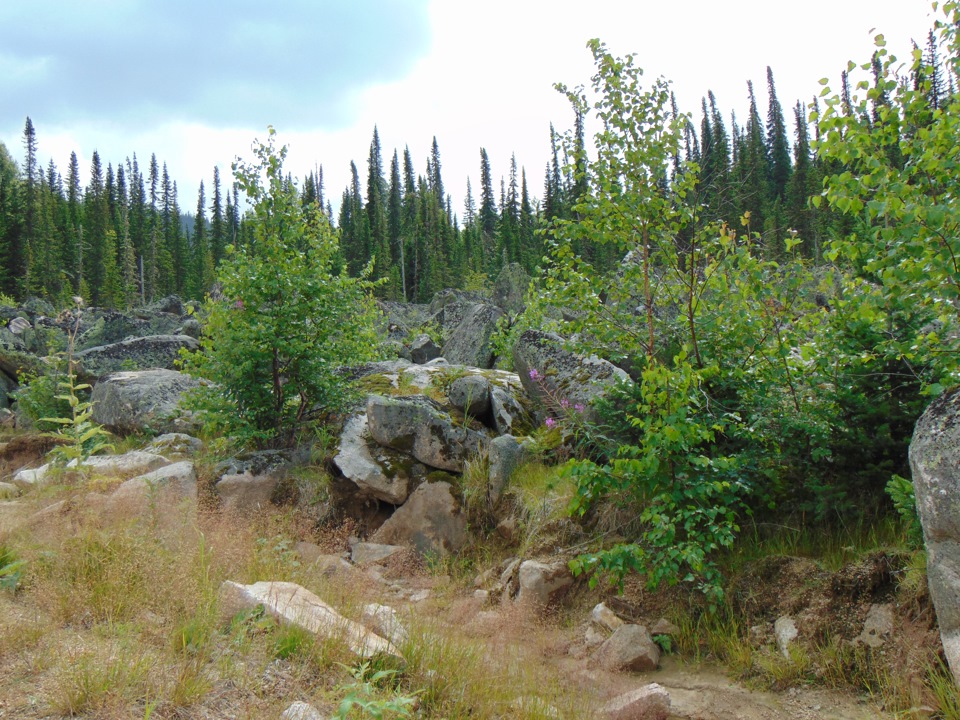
point(778, 146)
point(218, 225)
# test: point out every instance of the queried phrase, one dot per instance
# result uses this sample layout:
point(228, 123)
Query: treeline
point(122, 238)
point(116, 241)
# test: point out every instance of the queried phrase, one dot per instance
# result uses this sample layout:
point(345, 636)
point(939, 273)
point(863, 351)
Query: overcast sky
point(196, 82)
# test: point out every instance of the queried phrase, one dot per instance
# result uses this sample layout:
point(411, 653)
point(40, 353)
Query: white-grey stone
point(431, 521)
point(8, 490)
point(935, 466)
point(291, 603)
point(785, 630)
point(302, 711)
point(178, 480)
point(605, 617)
point(246, 492)
point(175, 445)
point(878, 625)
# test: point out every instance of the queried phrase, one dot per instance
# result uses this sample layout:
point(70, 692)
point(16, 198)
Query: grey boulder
point(415, 426)
point(145, 400)
point(431, 521)
point(935, 465)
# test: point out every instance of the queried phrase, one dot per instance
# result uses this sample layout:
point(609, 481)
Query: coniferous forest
point(118, 233)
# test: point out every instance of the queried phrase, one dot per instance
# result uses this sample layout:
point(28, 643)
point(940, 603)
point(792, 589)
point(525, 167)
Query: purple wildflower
point(534, 375)
point(564, 403)
point(579, 407)
point(238, 305)
point(550, 422)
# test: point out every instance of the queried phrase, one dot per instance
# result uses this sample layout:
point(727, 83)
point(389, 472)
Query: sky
point(197, 81)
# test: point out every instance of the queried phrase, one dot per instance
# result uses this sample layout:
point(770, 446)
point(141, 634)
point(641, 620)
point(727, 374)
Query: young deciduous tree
point(288, 319)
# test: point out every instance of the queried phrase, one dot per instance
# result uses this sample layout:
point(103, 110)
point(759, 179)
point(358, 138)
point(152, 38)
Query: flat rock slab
point(291, 603)
point(153, 351)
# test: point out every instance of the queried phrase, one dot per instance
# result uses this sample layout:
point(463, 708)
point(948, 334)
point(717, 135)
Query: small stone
point(664, 627)
point(606, 618)
point(8, 490)
point(482, 595)
point(878, 626)
point(301, 711)
point(385, 621)
point(420, 596)
point(593, 637)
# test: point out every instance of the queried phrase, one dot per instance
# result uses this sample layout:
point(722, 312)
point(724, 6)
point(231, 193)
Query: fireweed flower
point(534, 375)
point(238, 305)
point(550, 422)
point(564, 403)
point(579, 407)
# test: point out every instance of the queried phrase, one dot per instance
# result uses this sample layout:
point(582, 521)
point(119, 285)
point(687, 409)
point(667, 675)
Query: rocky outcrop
point(559, 380)
point(290, 603)
point(935, 464)
point(171, 483)
point(141, 401)
point(155, 351)
point(431, 521)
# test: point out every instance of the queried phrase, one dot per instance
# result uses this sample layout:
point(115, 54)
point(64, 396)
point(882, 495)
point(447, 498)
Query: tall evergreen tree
point(218, 225)
point(778, 146)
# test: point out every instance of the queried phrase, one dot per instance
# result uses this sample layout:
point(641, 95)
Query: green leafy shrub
point(901, 492)
point(288, 318)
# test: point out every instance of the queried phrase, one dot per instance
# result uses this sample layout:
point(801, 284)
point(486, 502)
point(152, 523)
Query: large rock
point(543, 583)
point(552, 375)
point(431, 521)
point(471, 395)
point(629, 648)
point(506, 454)
point(510, 288)
point(468, 341)
point(155, 351)
point(246, 493)
point(423, 349)
point(141, 401)
point(290, 603)
point(509, 415)
point(935, 464)
point(377, 471)
point(415, 426)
